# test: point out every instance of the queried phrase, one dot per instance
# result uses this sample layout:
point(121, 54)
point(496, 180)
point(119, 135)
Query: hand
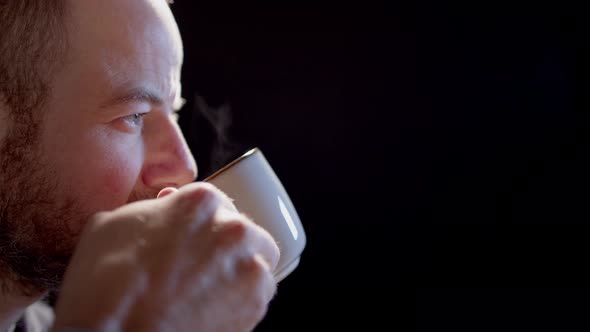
point(187, 261)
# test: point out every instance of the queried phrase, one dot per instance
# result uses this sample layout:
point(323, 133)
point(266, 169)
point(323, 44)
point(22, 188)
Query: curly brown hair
point(33, 43)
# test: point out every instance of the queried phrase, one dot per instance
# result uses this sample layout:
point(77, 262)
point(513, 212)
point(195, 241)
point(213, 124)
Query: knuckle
point(198, 204)
point(231, 233)
point(200, 193)
point(206, 186)
point(222, 196)
point(253, 267)
point(97, 220)
point(272, 252)
point(98, 217)
point(270, 248)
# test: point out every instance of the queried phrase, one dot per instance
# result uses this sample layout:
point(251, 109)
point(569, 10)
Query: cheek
point(91, 161)
point(116, 177)
point(104, 172)
point(119, 179)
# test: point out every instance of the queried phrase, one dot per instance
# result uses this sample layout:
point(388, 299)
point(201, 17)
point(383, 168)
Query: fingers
point(195, 189)
point(266, 247)
point(221, 236)
point(230, 225)
point(166, 191)
point(192, 206)
point(235, 251)
point(263, 286)
point(241, 258)
point(239, 232)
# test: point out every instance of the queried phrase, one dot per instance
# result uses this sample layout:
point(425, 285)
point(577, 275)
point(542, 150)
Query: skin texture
point(93, 153)
point(109, 142)
point(185, 262)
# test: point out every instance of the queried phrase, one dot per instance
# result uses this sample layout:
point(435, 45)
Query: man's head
point(87, 93)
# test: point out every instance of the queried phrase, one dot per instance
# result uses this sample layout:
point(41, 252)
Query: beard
point(40, 223)
point(36, 234)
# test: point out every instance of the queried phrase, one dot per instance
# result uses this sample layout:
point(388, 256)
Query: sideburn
point(32, 254)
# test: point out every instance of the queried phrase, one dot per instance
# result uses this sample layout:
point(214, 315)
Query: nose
point(168, 159)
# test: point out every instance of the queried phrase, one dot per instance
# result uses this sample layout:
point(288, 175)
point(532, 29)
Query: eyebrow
point(140, 95)
point(137, 94)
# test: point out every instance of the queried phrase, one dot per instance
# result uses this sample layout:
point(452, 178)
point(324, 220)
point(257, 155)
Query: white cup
point(258, 193)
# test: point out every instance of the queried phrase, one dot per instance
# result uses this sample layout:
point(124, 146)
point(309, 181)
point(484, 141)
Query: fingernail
point(166, 191)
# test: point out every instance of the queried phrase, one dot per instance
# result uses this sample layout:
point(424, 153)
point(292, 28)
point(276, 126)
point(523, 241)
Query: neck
point(13, 303)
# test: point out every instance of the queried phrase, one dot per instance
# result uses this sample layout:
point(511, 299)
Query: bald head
point(116, 39)
point(88, 90)
point(33, 45)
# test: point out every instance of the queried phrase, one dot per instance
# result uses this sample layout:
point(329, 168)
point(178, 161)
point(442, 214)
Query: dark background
point(435, 151)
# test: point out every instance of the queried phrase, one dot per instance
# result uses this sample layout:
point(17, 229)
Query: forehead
point(119, 34)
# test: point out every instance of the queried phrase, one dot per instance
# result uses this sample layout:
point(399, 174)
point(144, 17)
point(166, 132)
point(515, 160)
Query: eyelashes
point(134, 120)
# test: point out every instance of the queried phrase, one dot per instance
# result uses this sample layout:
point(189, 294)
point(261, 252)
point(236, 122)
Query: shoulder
point(38, 317)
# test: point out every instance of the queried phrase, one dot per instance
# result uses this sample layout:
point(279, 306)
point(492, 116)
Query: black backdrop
point(435, 152)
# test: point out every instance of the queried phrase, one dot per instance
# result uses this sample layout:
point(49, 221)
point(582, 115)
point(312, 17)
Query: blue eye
point(135, 120)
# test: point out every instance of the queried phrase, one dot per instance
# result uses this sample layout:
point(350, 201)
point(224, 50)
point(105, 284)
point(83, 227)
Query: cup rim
point(235, 161)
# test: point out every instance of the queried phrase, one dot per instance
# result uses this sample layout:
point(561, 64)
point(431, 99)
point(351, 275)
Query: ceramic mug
point(259, 194)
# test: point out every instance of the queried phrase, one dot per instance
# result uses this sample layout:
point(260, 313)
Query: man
point(96, 177)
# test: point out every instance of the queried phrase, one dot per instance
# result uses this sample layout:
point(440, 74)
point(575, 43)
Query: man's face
point(108, 135)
